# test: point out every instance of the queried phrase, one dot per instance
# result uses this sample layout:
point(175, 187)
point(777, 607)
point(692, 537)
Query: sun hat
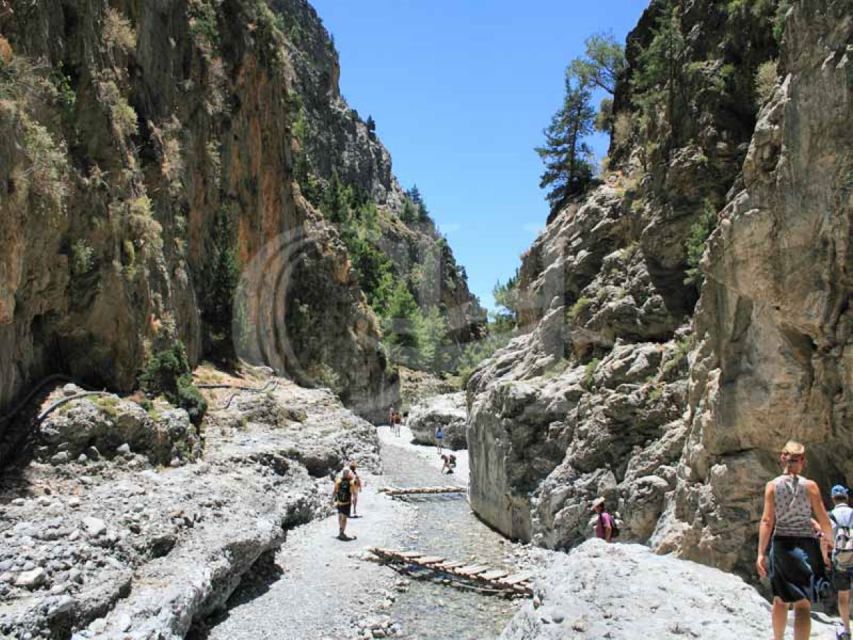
point(840, 491)
point(794, 448)
point(597, 502)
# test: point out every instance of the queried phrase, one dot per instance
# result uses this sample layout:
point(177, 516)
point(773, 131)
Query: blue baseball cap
point(839, 491)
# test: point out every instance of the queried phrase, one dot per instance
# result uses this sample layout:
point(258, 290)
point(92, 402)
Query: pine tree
point(371, 126)
point(222, 277)
point(567, 158)
point(658, 80)
point(604, 61)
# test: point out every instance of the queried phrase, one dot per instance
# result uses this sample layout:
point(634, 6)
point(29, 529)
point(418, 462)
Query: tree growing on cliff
point(657, 81)
point(221, 277)
point(602, 64)
point(567, 157)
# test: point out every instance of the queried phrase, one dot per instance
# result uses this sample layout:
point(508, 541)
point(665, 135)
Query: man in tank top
point(794, 562)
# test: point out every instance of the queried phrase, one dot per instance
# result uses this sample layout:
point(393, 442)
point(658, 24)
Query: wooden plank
point(471, 570)
point(494, 574)
point(449, 565)
point(430, 560)
point(394, 491)
point(516, 579)
point(409, 555)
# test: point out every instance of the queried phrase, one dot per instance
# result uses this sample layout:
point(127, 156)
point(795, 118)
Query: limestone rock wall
point(774, 355)
point(129, 129)
point(619, 389)
point(621, 386)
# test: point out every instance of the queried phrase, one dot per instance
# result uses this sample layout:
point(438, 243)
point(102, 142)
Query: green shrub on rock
point(168, 372)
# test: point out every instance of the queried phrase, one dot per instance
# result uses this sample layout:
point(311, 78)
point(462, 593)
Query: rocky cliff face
point(774, 356)
point(617, 389)
point(141, 142)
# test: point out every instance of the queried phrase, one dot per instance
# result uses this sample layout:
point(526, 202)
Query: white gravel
point(326, 587)
point(430, 454)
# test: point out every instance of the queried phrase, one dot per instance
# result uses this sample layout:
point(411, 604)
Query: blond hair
point(794, 448)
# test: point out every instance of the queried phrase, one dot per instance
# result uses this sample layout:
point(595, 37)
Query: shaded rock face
point(130, 128)
point(774, 354)
point(600, 394)
point(625, 591)
point(447, 410)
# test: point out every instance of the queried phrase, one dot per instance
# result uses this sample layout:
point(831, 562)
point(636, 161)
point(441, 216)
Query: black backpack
point(342, 495)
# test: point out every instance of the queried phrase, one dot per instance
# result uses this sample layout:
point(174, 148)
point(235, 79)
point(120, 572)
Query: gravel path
point(321, 586)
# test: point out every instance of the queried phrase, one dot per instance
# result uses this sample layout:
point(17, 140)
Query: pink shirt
point(604, 520)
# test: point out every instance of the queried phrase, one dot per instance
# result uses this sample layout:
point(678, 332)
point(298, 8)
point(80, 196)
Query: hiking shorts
point(796, 568)
point(344, 509)
point(841, 579)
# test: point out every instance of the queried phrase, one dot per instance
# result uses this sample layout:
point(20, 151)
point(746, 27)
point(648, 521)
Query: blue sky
point(460, 91)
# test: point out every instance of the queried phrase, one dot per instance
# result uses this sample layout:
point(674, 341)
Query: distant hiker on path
point(794, 562)
point(342, 498)
point(439, 438)
point(604, 526)
point(398, 420)
point(842, 560)
point(449, 461)
point(356, 489)
point(394, 421)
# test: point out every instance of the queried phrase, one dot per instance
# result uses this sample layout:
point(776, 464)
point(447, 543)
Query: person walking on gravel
point(793, 563)
point(342, 499)
point(439, 438)
point(356, 489)
point(842, 561)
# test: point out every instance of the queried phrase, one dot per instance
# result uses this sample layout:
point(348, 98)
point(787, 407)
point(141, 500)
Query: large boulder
point(623, 592)
point(447, 410)
point(106, 425)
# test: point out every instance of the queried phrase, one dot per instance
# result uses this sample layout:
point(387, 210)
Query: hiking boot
point(841, 634)
point(344, 537)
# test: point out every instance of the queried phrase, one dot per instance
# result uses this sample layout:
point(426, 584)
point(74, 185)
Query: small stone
point(92, 453)
point(74, 503)
point(7, 577)
point(74, 535)
point(82, 459)
point(70, 389)
point(94, 526)
point(123, 450)
point(98, 626)
point(60, 458)
point(19, 502)
point(31, 579)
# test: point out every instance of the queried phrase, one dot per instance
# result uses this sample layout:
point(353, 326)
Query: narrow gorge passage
point(320, 587)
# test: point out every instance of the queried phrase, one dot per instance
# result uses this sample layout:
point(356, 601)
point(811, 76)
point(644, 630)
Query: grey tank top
point(793, 508)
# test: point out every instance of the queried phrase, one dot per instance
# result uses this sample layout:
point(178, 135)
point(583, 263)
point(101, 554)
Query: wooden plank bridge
point(478, 576)
point(395, 492)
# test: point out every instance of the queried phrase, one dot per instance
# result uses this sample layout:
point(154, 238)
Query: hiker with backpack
point(342, 499)
point(605, 524)
point(788, 551)
point(448, 463)
point(842, 558)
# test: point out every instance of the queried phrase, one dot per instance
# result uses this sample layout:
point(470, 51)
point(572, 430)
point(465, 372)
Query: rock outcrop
point(774, 327)
point(623, 592)
point(117, 547)
point(617, 388)
point(447, 410)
